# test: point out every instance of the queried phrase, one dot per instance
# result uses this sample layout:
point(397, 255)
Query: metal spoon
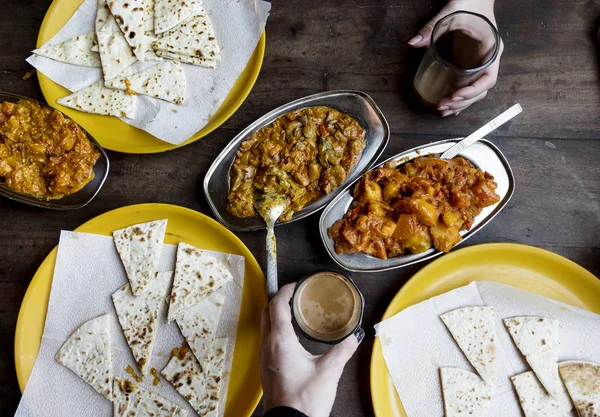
point(482, 131)
point(270, 207)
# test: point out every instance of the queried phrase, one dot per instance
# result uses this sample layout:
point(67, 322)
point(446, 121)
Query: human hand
point(464, 97)
point(291, 376)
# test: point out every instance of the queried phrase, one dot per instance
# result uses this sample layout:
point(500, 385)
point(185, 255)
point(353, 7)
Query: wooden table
point(550, 66)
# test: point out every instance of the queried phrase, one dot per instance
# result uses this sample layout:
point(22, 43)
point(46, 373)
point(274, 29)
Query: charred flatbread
point(582, 380)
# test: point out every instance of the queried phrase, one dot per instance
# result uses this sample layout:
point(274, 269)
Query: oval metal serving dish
point(483, 154)
point(69, 202)
point(355, 103)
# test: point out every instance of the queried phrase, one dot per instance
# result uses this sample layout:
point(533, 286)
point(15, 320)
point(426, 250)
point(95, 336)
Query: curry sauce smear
point(42, 152)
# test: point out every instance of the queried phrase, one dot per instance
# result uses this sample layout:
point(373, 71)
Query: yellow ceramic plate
point(184, 225)
point(531, 269)
point(117, 135)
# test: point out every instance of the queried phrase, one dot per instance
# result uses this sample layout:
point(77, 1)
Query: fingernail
point(458, 98)
point(415, 40)
point(359, 334)
point(447, 113)
point(457, 113)
point(441, 108)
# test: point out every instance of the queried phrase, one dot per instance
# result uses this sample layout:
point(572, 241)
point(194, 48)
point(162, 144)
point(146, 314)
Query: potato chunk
point(426, 212)
point(444, 237)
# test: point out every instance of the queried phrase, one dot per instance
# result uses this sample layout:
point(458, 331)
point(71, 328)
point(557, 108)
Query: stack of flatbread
point(127, 31)
point(196, 369)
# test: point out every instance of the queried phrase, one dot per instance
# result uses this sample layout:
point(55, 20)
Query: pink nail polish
point(442, 108)
point(415, 40)
point(458, 98)
point(447, 113)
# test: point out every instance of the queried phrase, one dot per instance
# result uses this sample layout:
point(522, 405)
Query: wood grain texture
point(550, 66)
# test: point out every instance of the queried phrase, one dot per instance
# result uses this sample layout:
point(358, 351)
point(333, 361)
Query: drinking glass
point(463, 44)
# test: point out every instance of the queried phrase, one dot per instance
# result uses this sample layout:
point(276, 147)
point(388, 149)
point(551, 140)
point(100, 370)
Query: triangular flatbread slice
point(139, 247)
point(76, 51)
point(133, 401)
point(199, 382)
point(583, 384)
point(535, 401)
point(98, 99)
point(465, 394)
point(197, 275)
point(169, 13)
point(148, 16)
point(87, 352)
point(102, 15)
point(474, 331)
point(165, 81)
point(130, 15)
point(199, 323)
point(537, 339)
point(194, 37)
point(115, 53)
point(139, 315)
point(186, 59)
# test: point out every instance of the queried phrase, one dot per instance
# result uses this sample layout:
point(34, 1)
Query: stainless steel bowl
point(355, 103)
point(483, 154)
point(70, 202)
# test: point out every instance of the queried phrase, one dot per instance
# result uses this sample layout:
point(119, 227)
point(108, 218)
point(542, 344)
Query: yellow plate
point(526, 267)
point(117, 135)
point(184, 225)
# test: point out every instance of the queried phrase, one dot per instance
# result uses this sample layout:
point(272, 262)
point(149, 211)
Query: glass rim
point(489, 62)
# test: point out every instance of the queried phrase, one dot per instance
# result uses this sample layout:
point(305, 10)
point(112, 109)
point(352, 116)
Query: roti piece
point(199, 382)
point(115, 53)
point(169, 13)
point(465, 394)
point(535, 401)
point(133, 401)
point(139, 247)
point(76, 51)
point(194, 37)
point(97, 99)
point(583, 384)
point(87, 352)
point(130, 15)
point(474, 331)
point(197, 275)
point(165, 81)
point(199, 323)
point(186, 59)
point(537, 339)
point(102, 15)
point(148, 16)
point(138, 317)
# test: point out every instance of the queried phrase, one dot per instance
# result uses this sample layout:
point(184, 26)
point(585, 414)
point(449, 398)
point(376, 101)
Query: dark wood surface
point(550, 66)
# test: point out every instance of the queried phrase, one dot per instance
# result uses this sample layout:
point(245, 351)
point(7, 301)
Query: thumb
point(343, 351)
point(423, 38)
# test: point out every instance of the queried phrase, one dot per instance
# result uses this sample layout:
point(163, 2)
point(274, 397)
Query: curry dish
point(426, 202)
point(42, 152)
point(302, 155)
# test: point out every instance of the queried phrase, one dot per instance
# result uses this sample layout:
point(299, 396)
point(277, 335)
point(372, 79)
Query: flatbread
point(197, 275)
point(133, 401)
point(199, 323)
point(115, 53)
point(97, 99)
point(474, 331)
point(139, 315)
point(535, 401)
point(102, 15)
point(165, 81)
point(139, 247)
point(583, 384)
point(465, 393)
point(87, 352)
point(186, 59)
point(537, 339)
point(76, 51)
point(148, 16)
point(194, 37)
point(130, 15)
point(169, 13)
point(199, 382)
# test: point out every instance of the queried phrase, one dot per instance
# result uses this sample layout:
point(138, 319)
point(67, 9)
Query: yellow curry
point(42, 152)
point(302, 155)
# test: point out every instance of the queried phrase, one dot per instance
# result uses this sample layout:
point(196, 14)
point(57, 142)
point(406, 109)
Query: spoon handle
point(272, 285)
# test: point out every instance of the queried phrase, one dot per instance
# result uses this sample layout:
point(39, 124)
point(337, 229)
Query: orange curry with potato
point(427, 202)
point(42, 152)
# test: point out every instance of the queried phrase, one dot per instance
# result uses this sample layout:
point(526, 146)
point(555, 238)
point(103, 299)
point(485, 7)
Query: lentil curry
point(42, 152)
point(426, 202)
point(302, 155)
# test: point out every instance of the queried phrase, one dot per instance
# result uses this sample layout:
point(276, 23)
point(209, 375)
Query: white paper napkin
point(88, 270)
point(416, 344)
point(238, 24)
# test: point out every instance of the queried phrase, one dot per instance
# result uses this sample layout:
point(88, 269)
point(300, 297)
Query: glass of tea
point(463, 44)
